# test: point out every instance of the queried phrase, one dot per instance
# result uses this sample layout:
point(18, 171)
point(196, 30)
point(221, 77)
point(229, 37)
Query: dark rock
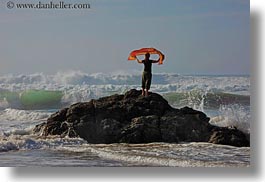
point(38, 128)
point(133, 118)
point(184, 128)
point(143, 129)
point(58, 116)
point(229, 136)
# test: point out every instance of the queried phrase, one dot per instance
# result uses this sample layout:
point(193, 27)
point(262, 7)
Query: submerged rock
point(133, 118)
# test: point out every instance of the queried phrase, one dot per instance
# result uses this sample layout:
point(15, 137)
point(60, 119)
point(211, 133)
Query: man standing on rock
point(147, 73)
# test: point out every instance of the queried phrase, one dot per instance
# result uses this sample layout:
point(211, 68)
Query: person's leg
point(143, 83)
point(146, 93)
point(148, 83)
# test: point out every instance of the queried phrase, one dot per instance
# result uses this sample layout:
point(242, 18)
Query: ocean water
point(27, 100)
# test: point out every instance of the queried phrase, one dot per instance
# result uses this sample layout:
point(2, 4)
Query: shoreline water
point(16, 123)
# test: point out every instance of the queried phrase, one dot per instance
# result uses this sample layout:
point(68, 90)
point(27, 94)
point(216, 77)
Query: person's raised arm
point(139, 61)
point(155, 61)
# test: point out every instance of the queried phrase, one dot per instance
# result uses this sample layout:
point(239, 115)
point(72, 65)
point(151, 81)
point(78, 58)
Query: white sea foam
point(78, 86)
point(233, 115)
point(22, 115)
point(178, 82)
point(24, 140)
point(173, 155)
point(152, 154)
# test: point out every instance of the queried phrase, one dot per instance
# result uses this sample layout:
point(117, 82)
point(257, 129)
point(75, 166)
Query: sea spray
point(233, 115)
point(224, 109)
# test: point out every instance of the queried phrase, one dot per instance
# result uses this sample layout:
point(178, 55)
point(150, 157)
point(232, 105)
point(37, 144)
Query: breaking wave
point(23, 115)
point(199, 99)
point(233, 115)
point(226, 99)
point(41, 81)
point(39, 91)
point(31, 142)
point(31, 99)
point(43, 99)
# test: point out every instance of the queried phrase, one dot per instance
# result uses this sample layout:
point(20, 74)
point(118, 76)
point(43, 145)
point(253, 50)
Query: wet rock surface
point(133, 118)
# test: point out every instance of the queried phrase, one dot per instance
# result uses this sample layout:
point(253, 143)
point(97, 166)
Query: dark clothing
point(147, 74)
point(146, 80)
point(147, 65)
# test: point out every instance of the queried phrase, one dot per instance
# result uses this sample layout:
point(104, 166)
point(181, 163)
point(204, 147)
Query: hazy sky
point(197, 37)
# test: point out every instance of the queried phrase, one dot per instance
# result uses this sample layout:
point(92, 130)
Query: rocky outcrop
point(133, 118)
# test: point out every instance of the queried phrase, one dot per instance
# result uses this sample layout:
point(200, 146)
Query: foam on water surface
point(153, 154)
point(224, 98)
point(23, 115)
